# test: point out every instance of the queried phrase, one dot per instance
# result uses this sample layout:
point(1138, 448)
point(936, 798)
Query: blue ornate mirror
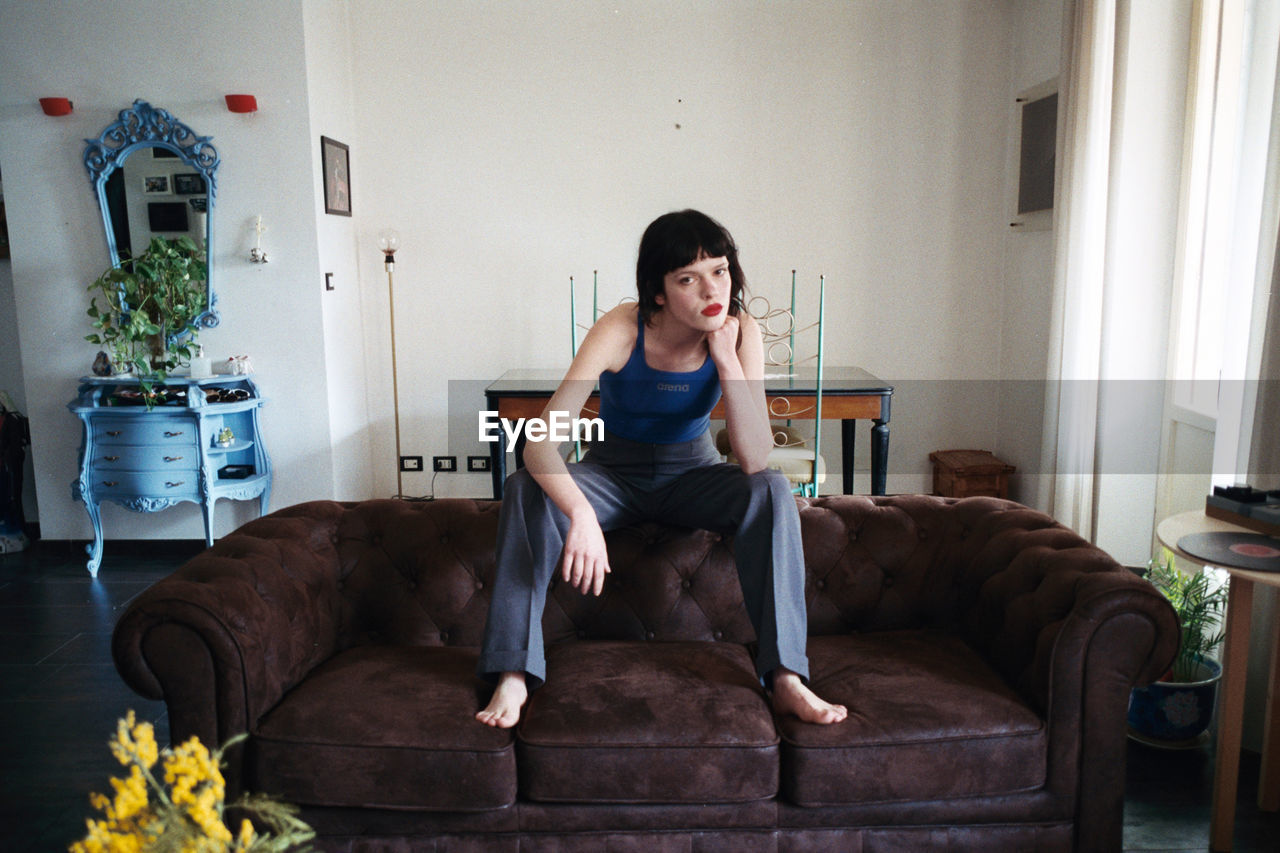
point(166, 188)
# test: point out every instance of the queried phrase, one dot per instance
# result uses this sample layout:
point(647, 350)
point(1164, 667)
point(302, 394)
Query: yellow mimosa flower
point(246, 836)
point(185, 813)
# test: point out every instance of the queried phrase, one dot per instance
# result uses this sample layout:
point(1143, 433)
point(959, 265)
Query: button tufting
point(888, 582)
point(686, 583)
point(479, 584)
point(853, 536)
point(822, 584)
point(719, 635)
point(444, 635)
point(650, 634)
point(582, 635)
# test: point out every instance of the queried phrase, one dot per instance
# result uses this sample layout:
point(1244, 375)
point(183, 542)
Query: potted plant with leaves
point(1176, 709)
point(147, 319)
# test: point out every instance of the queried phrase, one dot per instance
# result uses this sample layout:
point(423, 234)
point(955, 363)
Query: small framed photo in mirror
point(188, 184)
point(336, 161)
point(155, 185)
point(167, 216)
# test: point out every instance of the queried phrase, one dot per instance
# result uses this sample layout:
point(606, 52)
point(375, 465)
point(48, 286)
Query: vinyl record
point(1251, 551)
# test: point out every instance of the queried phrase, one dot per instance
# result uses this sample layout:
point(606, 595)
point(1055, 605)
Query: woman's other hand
point(586, 559)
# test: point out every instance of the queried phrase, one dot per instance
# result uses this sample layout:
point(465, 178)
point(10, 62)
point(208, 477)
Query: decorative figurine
point(225, 437)
point(102, 364)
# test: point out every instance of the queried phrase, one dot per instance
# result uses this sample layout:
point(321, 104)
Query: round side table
point(1235, 669)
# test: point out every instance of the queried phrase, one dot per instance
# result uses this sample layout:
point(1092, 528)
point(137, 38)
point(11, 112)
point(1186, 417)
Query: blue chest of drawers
point(149, 459)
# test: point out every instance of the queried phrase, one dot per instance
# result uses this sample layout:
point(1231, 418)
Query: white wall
point(1028, 257)
point(327, 27)
point(183, 60)
point(514, 145)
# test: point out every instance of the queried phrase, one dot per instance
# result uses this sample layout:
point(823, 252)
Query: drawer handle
point(114, 432)
point(172, 434)
point(110, 483)
point(169, 485)
point(172, 458)
point(112, 458)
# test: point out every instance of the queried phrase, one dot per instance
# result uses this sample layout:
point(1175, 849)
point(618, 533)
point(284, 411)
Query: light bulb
point(388, 241)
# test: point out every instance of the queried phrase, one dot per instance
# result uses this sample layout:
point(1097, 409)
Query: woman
point(662, 364)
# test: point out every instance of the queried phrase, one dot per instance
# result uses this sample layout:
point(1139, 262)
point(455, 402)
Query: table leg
point(879, 456)
point(1269, 781)
point(1235, 672)
point(94, 549)
point(206, 513)
point(497, 456)
point(498, 466)
point(846, 452)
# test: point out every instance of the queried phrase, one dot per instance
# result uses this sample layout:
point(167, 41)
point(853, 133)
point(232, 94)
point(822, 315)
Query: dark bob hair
point(676, 240)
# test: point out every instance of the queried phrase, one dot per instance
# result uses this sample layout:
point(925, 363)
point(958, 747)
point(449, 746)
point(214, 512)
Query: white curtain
point(1165, 126)
point(1080, 217)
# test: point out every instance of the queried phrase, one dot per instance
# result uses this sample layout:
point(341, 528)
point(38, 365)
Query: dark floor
point(60, 698)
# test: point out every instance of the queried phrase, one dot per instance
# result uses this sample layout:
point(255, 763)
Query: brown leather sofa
point(985, 653)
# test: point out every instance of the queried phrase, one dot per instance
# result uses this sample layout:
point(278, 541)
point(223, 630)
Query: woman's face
point(697, 295)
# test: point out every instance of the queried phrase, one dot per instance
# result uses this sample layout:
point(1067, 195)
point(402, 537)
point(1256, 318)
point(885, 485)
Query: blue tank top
point(658, 406)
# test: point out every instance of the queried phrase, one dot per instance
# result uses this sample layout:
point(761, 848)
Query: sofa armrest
point(1033, 593)
point(234, 628)
point(1075, 631)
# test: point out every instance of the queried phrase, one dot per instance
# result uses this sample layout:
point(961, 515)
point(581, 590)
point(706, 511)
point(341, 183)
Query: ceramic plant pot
point(1175, 712)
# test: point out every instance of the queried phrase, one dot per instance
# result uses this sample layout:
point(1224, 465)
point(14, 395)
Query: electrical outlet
point(477, 463)
point(410, 463)
point(444, 463)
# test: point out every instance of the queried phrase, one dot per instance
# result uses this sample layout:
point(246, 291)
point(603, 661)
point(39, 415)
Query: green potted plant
point(150, 305)
point(1178, 707)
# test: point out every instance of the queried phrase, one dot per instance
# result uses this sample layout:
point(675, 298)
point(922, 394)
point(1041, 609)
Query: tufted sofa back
point(419, 573)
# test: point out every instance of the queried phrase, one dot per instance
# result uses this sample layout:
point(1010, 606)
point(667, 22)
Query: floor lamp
point(388, 242)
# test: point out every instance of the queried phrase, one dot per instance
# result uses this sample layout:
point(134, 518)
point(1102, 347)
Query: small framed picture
point(336, 161)
point(188, 184)
point(1032, 171)
point(155, 185)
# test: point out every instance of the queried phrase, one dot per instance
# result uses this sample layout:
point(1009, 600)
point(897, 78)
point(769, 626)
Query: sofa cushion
point(928, 719)
point(648, 722)
point(386, 727)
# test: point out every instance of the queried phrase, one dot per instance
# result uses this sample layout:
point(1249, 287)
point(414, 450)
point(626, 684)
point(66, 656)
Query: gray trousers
point(627, 482)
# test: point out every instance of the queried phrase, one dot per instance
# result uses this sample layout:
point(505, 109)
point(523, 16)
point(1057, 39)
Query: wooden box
point(967, 473)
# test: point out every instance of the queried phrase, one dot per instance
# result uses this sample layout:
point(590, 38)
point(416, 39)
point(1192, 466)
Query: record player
point(1246, 506)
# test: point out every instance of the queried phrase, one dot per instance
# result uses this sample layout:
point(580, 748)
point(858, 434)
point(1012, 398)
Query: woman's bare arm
point(739, 358)
point(606, 347)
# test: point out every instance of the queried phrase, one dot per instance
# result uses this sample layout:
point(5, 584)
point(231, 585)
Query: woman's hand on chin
point(722, 343)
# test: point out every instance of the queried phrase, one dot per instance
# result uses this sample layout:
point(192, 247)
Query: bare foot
point(792, 696)
point(503, 710)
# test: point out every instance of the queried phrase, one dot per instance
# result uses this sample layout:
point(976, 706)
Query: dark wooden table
point(849, 394)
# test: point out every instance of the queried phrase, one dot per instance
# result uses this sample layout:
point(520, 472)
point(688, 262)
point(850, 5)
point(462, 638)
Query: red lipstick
point(712, 309)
